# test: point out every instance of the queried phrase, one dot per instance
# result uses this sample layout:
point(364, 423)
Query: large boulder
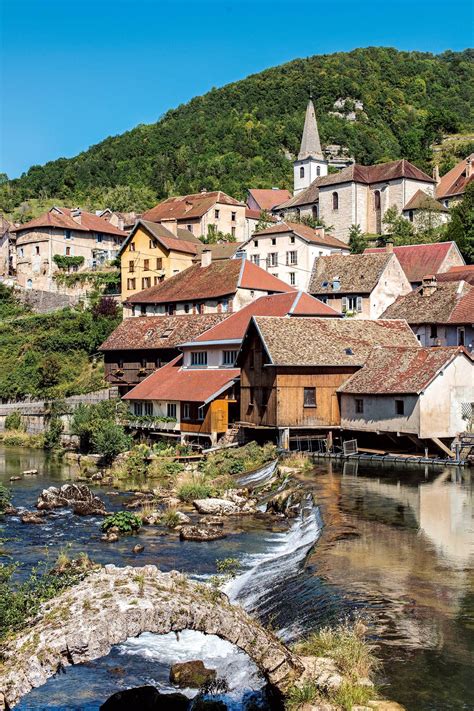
point(78, 496)
point(200, 533)
point(145, 698)
point(33, 517)
point(191, 674)
point(215, 507)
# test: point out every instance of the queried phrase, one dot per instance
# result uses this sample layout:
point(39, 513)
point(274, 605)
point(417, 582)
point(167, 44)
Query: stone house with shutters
point(358, 285)
point(288, 250)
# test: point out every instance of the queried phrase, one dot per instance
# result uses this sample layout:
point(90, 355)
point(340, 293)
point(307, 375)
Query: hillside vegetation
point(243, 135)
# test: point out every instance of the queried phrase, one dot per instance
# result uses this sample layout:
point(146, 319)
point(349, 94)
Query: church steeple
point(310, 143)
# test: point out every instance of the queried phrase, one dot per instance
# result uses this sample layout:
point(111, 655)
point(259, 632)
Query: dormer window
point(198, 357)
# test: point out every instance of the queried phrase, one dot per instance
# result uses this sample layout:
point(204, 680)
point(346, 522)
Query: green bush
point(194, 489)
point(94, 423)
point(5, 498)
point(110, 439)
point(125, 521)
point(66, 262)
point(13, 421)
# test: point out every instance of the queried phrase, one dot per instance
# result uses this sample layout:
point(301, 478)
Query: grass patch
point(299, 695)
point(349, 695)
point(297, 460)
point(19, 438)
point(194, 488)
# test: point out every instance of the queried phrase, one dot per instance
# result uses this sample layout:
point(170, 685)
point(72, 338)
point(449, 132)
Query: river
point(393, 544)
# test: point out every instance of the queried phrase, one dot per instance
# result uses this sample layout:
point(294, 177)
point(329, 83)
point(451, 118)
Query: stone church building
point(355, 195)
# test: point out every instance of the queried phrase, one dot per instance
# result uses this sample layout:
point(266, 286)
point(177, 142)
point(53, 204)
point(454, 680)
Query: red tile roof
point(464, 273)
point(150, 332)
point(167, 239)
point(369, 174)
point(255, 215)
point(454, 182)
point(188, 206)
point(450, 302)
point(418, 260)
point(293, 304)
point(61, 217)
point(221, 278)
point(267, 199)
point(175, 383)
point(316, 236)
point(399, 370)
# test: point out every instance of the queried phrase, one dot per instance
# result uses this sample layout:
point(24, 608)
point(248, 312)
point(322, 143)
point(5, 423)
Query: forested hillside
point(243, 134)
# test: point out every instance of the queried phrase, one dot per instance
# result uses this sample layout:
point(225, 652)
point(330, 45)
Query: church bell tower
point(311, 163)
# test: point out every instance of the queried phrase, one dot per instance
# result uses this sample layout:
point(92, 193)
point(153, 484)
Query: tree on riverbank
point(99, 430)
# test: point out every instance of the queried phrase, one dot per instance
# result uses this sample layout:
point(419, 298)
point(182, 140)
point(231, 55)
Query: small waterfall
point(258, 476)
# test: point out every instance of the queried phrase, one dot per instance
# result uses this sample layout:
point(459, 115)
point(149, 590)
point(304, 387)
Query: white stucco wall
point(393, 283)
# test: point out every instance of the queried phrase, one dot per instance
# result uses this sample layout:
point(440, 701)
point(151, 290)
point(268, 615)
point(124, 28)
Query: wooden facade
point(288, 396)
point(127, 368)
point(216, 417)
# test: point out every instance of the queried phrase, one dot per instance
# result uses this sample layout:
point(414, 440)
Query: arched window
point(377, 199)
point(410, 215)
point(318, 171)
point(315, 211)
point(335, 201)
point(301, 172)
point(29, 284)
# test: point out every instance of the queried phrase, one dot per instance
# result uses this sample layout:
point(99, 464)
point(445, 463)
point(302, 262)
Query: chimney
point(389, 246)
point(436, 174)
point(171, 224)
point(76, 215)
point(428, 285)
point(468, 167)
point(206, 257)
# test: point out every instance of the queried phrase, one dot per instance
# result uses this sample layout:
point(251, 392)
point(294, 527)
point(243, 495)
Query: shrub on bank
point(19, 438)
point(13, 421)
point(194, 488)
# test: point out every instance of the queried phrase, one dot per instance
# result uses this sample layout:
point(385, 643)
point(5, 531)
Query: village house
point(221, 286)
point(451, 187)
point(203, 214)
point(264, 200)
point(418, 260)
point(123, 220)
point(440, 313)
point(464, 273)
point(58, 233)
point(214, 350)
point(253, 219)
point(288, 250)
point(359, 285)
point(153, 253)
point(424, 393)
point(291, 369)
point(425, 212)
point(138, 346)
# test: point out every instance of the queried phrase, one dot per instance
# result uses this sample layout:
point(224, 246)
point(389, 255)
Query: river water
point(393, 544)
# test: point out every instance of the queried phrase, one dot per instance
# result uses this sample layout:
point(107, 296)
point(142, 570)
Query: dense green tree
point(357, 240)
point(461, 227)
point(400, 230)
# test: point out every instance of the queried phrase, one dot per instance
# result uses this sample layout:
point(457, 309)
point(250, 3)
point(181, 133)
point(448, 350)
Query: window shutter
point(344, 303)
point(359, 303)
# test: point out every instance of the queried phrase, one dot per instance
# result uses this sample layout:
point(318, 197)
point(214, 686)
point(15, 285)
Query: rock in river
point(145, 698)
point(214, 507)
point(30, 472)
point(79, 496)
point(191, 674)
point(200, 533)
point(138, 548)
point(33, 517)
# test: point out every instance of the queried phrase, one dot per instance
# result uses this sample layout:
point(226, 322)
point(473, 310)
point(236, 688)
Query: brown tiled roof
point(464, 273)
point(221, 278)
point(188, 206)
point(455, 181)
point(170, 241)
point(357, 273)
point(221, 250)
point(292, 304)
point(326, 341)
point(423, 201)
point(418, 260)
point(451, 302)
point(268, 199)
point(369, 174)
point(400, 370)
point(316, 236)
point(150, 332)
point(173, 382)
point(61, 217)
point(305, 197)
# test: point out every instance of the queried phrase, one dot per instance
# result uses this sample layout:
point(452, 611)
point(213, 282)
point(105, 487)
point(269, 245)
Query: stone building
point(450, 188)
point(67, 233)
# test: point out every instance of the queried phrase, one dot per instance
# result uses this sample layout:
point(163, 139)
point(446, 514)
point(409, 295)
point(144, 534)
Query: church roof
point(310, 143)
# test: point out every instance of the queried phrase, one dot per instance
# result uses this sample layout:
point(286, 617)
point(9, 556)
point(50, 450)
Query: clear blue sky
point(76, 71)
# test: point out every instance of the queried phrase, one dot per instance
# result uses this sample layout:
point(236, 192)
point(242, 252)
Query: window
point(170, 309)
point(120, 363)
point(186, 308)
point(149, 408)
point(151, 244)
point(225, 306)
point(21, 252)
point(255, 259)
point(137, 408)
point(274, 240)
point(400, 407)
point(315, 211)
point(216, 214)
point(292, 239)
point(146, 265)
point(335, 201)
point(157, 280)
point(232, 231)
point(143, 363)
point(198, 357)
point(146, 282)
point(301, 172)
point(37, 249)
point(309, 397)
point(228, 357)
point(255, 243)
point(67, 234)
point(159, 263)
point(68, 251)
point(352, 303)
point(233, 216)
point(171, 410)
point(318, 171)
point(433, 331)
point(359, 405)
point(186, 411)
point(99, 237)
point(410, 215)
point(132, 246)
point(292, 258)
point(201, 413)
point(461, 336)
point(292, 276)
point(131, 284)
point(131, 266)
point(377, 199)
point(272, 259)
point(189, 228)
